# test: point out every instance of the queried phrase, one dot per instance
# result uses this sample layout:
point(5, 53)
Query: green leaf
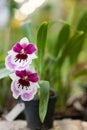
point(62, 39)
point(82, 25)
point(27, 31)
point(76, 50)
point(71, 46)
point(44, 98)
point(41, 45)
point(4, 73)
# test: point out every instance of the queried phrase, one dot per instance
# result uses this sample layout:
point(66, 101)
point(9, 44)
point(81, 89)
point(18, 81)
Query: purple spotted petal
point(27, 96)
point(30, 48)
point(17, 48)
point(8, 63)
point(33, 77)
point(16, 93)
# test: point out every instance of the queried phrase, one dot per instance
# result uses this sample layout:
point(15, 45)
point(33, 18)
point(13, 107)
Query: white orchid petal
point(33, 56)
point(24, 40)
point(31, 68)
point(16, 93)
point(13, 76)
point(9, 65)
point(28, 95)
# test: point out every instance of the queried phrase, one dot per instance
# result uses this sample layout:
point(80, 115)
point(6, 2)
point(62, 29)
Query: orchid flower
point(21, 55)
point(24, 84)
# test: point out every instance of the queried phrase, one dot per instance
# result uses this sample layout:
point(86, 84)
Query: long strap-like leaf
point(41, 45)
point(44, 98)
